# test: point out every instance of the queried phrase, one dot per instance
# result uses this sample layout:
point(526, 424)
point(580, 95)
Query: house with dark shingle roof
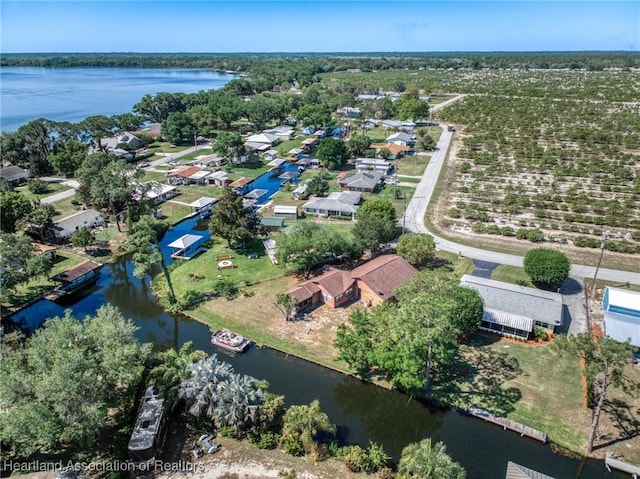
point(14, 175)
point(373, 282)
point(512, 310)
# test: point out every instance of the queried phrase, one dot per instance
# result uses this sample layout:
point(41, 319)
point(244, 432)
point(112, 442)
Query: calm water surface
point(361, 411)
point(72, 94)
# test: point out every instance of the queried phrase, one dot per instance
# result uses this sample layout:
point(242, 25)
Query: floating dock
point(509, 424)
point(612, 462)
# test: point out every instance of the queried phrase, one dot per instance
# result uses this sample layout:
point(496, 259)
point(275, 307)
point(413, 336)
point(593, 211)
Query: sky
point(317, 26)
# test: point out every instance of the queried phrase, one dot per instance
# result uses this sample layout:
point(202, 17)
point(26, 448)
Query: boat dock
point(509, 424)
point(612, 462)
point(74, 279)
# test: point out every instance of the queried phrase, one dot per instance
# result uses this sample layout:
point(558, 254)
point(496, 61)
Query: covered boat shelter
point(188, 246)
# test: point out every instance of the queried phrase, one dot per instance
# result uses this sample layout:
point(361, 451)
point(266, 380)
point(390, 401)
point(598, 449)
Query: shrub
point(535, 235)
point(540, 333)
point(37, 187)
point(547, 267)
point(355, 458)
point(293, 445)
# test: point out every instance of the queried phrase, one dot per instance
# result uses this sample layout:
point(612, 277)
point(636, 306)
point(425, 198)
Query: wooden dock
point(509, 424)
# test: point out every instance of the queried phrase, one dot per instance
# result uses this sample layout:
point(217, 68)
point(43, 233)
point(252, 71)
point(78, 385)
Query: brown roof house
point(372, 282)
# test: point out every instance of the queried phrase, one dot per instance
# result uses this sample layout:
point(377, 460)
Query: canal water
point(361, 411)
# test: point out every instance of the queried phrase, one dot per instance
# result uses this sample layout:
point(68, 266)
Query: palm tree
point(426, 461)
point(201, 391)
point(143, 242)
point(240, 400)
point(304, 423)
point(174, 369)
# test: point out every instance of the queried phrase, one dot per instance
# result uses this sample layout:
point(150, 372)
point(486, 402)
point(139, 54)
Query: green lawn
point(154, 176)
point(201, 274)
point(413, 165)
point(31, 290)
point(511, 274)
point(106, 234)
point(51, 189)
point(65, 207)
point(174, 212)
point(530, 384)
point(250, 170)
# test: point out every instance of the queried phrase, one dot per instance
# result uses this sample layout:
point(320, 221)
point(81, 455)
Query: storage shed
point(286, 212)
point(622, 315)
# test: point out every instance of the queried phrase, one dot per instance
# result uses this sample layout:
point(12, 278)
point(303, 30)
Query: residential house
point(182, 176)
point(209, 162)
point(261, 142)
point(340, 203)
point(295, 154)
point(241, 185)
point(373, 164)
point(301, 193)
point(286, 212)
point(282, 132)
point(270, 155)
point(373, 282)
point(309, 144)
point(125, 141)
point(219, 178)
point(398, 125)
point(349, 111)
point(14, 175)
point(512, 310)
point(307, 130)
point(621, 309)
point(204, 205)
point(159, 192)
point(395, 149)
point(66, 226)
point(401, 138)
point(364, 181)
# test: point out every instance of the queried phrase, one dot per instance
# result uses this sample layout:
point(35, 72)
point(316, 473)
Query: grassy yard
point(413, 165)
point(65, 207)
point(511, 274)
point(28, 291)
point(52, 188)
point(530, 384)
point(154, 176)
point(174, 212)
point(250, 170)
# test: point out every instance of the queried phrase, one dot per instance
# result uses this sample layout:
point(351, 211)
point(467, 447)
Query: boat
point(148, 434)
point(230, 341)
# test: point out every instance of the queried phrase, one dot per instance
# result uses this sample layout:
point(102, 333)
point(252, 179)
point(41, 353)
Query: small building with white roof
point(621, 309)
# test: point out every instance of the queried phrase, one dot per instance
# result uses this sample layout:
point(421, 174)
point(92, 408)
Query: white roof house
point(376, 164)
point(159, 192)
point(622, 315)
point(514, 310)
point(343, 203)
point(268, 138)
point(65, 227)
point(185, 241)
point(203, 202)
point(400, 138)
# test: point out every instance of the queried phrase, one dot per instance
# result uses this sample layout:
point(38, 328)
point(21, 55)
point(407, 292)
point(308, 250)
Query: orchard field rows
point(550, 153)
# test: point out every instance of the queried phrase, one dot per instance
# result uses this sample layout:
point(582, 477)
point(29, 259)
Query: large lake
point(72, 94)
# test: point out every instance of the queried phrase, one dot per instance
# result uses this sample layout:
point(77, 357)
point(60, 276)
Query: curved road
point(417, 208)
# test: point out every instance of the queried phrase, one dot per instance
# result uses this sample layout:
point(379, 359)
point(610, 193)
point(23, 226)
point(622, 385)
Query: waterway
point(361, 411)
point(72, 94)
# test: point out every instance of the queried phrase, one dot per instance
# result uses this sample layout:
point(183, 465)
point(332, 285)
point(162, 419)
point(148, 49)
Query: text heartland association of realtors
point(107, 466)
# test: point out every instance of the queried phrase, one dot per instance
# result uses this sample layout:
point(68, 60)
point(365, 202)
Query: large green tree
point(177, 128)
point(417, 248)
point(405, 341)
point(425, 460)
point(38, 220)
point(318, 186)
point(332, 153)
point(358, 145)
point(376, 225)
point(232, 221)
point(228, 145)
point(309, 245)
point(69, 382)
point(606, 360)
point(547, 267)
point(143, 243)
point(68, 158)
point(17, 250)
point(13, 208)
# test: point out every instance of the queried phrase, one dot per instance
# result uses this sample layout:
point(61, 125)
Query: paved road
point(63, 194)
point(417, 208)
point(175, 156)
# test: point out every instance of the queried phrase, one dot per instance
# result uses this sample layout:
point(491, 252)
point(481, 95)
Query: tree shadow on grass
point(625, 423)
point(477, 378)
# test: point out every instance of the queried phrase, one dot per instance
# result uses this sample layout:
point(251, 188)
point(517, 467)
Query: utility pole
point(605, 237)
